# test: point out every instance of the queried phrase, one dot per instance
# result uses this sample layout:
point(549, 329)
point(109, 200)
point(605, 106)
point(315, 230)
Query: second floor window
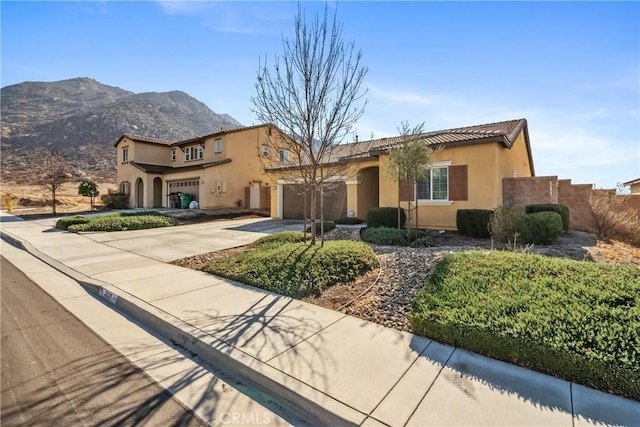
point(194, 152)
point(125, 154)
point(284, 156)
point(173, 155)
point(265, 151)
point(218, 146)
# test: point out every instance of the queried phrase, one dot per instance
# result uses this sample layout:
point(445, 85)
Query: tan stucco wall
point(635, 188)
point(242, 147)
point(486, 164)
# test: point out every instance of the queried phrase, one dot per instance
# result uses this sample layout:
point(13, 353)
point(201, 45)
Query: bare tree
point(52, 172)
point(313, 93)
point(613, 216)
point(409, 162)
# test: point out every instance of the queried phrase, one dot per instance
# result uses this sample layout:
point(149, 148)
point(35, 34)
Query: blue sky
point(571, 68)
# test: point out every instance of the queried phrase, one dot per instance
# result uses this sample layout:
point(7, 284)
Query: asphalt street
point(56, 371)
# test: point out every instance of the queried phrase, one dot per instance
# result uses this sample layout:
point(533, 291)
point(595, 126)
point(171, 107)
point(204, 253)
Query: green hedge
point(327, 226)
point(473, 222)
point(541, 228)
point(573, 319)
point(561, 210)
point(350, 221)
point(296, 269)
point(385, 217)
point(124, 221)
point(64, 223)
point(394, 236)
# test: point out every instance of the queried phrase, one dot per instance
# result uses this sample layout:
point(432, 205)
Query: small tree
point(53, 172)
point(88, 188)
point(312, 92)
point(409, 161)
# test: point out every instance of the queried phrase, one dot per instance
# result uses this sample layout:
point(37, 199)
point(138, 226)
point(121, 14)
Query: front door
point(254, 196)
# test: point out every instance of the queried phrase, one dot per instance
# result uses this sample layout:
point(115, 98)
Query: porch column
point(352, 196)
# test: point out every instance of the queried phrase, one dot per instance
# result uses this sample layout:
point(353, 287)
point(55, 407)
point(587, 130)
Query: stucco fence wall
point(549, 189)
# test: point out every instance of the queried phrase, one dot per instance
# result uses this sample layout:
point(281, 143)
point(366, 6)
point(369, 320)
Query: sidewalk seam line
point(401, 377)
point(431, 385)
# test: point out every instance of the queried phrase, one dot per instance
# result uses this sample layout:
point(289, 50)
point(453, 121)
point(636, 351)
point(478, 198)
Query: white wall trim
point(435, 202)
point(353, 182)
point(441, 164)
point(280, 201)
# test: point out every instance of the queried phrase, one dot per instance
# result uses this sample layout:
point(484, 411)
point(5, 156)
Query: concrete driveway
point(171, 243)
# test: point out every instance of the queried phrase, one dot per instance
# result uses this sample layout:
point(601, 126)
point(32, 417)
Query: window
point(265, 151)
point(218, 146)
point(435, 186)
point(194, 152)
point(173, 155)
point(125, 154)
point(124, 188)
point(284, 156)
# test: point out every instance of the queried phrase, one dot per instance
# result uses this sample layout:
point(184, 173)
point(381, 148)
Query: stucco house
point(467, 174)
point(634, 185)
point(223, 169)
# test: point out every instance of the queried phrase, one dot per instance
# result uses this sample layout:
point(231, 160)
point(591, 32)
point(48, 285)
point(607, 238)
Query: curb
point(301, 400)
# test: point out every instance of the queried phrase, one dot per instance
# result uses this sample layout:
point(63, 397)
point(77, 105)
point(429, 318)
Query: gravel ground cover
point(384, 295)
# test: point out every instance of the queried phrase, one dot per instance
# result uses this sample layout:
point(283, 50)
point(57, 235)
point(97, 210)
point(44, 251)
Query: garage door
point(335, 202)
point(190, 186)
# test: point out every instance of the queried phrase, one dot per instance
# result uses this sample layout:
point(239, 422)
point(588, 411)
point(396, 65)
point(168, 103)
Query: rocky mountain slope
point(82, 118)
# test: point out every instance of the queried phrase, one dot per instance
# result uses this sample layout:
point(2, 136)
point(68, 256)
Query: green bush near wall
point(561, 210)
point(386, 217)
point(541, 228)
point(473, 222)
point(574, 319)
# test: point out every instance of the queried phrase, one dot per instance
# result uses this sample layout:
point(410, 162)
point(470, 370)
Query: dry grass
point(32, 199)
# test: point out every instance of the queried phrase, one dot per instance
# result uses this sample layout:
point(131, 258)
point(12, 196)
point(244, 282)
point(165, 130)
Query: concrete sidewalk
point(337, 369)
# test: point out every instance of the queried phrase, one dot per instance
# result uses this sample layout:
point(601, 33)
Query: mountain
point(82, 118)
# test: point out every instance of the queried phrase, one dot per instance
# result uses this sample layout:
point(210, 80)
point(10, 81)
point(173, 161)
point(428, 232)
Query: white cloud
point(233, 17)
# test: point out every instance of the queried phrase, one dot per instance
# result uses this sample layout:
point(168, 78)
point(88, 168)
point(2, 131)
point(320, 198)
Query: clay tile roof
point(140, 138)
point(633, 181)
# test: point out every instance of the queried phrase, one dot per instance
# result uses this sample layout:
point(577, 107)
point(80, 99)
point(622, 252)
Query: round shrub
point(64, 223)
point(473, 222)
point(562, 210)
point(422, 242)
point(349, 221)
point(541, 228)
point(385, 217)
point(385, 236)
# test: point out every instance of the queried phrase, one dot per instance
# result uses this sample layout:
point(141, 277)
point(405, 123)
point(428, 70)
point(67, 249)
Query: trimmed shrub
point(64, 223)
point(390, 236)
point(349, 221)
point(422, 242)
point(115, 201)
point(505, 222)
point(124, 221)
point(297, 269)
point(386, 217)
point(573, 319)
point(561, 210)
point(385, 236)
point(473, 222)
point(280, 238)
point(541, 228)
point(328, 226)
